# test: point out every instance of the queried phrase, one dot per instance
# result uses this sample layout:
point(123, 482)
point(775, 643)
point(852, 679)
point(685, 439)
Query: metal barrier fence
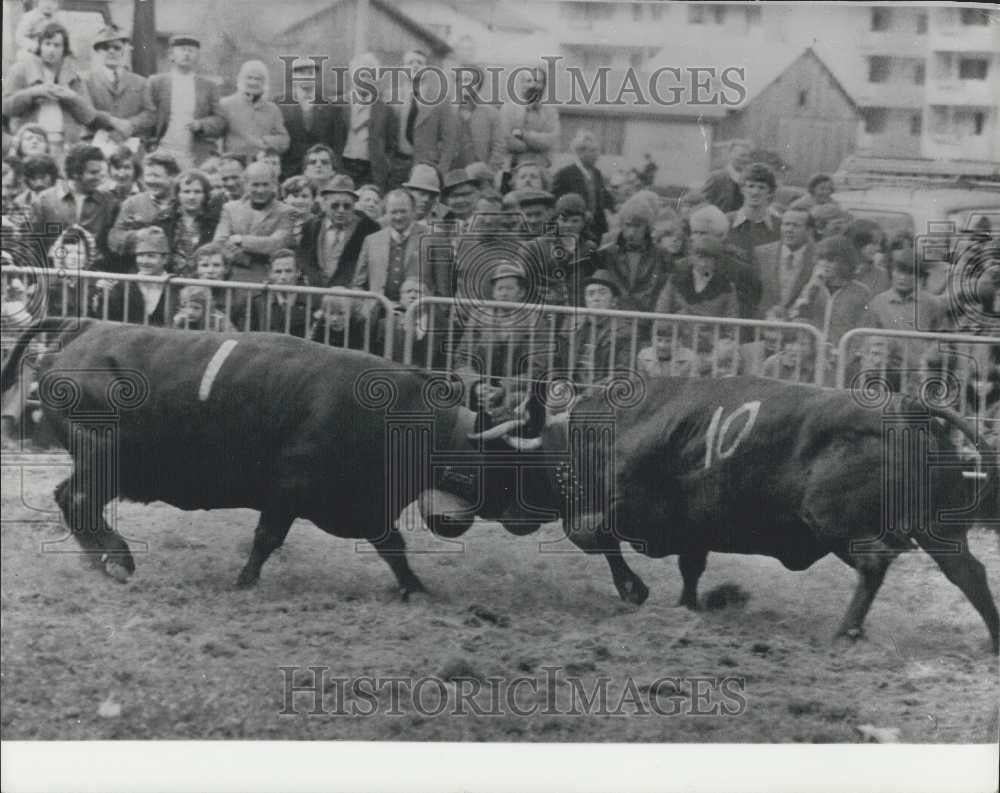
point(507, 341)
point(949, 369)
point(504, 341)
point(336, 316)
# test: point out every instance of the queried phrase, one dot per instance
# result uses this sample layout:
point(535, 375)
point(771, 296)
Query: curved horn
point(523, 444)
point(498, 431)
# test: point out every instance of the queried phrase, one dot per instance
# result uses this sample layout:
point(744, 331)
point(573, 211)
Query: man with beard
point(252, 121)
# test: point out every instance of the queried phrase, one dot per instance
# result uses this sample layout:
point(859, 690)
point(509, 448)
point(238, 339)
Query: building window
point(875, 118)
point(921, 24)
point(880, 19)
point(974, 16)
point(973, 68)
point(919, 74)
point(878, 69)
point(978, 122)
point(657, 10)
point(635, 61)
point(753, 15)
point(916, 124)
point(696, 14)
point(718, 13)
point(940, 120)
point(803, 97)
point(637, 12)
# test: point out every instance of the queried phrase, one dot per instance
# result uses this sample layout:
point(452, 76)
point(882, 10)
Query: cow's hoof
point(117, 570)
point(851, 634)
point(246, 580)
point(633, 591)
point(414, 595)
point(688, 603)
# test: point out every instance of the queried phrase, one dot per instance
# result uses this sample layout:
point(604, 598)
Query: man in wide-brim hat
point(118, 93)
point(331, 244)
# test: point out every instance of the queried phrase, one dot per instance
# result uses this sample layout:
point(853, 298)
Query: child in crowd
point(796, 360)
point(665, 357)
point(298, 193)
point(198, 311)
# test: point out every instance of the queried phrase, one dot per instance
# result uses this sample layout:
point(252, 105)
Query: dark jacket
point(382, 134)
point(643, 284)
point(128, 292)
point(127, 102)
point(322, 129)
point(570, 179)
point(206, 110)
point(309, 251)
point(181, 251)
point(722, 191)
point(266, 314)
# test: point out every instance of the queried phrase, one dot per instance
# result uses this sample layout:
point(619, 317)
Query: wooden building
point(804, 115)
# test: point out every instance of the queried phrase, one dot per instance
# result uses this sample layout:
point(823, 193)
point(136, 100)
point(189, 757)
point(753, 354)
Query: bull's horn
point(523, 444)
point(498, 431)
point(974, 474)
point(521, 408)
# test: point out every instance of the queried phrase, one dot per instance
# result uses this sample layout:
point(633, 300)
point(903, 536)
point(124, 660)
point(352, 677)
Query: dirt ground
point(179, 653)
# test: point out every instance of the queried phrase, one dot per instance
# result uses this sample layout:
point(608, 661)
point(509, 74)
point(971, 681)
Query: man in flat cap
point(504, 349)
point(144, 302)
point(185, 105)
point(118, 94)
point(598, 347)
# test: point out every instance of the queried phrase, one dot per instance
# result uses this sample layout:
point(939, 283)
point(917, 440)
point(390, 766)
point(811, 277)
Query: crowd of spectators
point(409, 199)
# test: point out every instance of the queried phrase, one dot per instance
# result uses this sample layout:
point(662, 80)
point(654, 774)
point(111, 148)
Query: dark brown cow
point(288, 427)
point(756, 466)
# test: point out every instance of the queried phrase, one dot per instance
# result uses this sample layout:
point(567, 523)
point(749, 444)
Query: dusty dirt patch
point(178, 653)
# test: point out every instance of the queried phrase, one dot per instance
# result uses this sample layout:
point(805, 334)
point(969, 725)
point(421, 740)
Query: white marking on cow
point(214, 365)
point(715, 438)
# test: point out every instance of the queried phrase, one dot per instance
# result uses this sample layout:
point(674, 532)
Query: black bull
point(294, 429)
point(261, 421)
point(756, 466)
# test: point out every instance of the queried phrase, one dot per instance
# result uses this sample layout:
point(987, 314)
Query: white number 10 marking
point(715, 440)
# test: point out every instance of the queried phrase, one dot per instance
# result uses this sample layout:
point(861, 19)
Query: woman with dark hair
point(124, 174)
point(189, 222)
point(47, 90)
point(37, 175)
point(868, 240)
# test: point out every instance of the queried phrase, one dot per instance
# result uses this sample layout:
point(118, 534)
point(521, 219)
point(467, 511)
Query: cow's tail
point(67, 327)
